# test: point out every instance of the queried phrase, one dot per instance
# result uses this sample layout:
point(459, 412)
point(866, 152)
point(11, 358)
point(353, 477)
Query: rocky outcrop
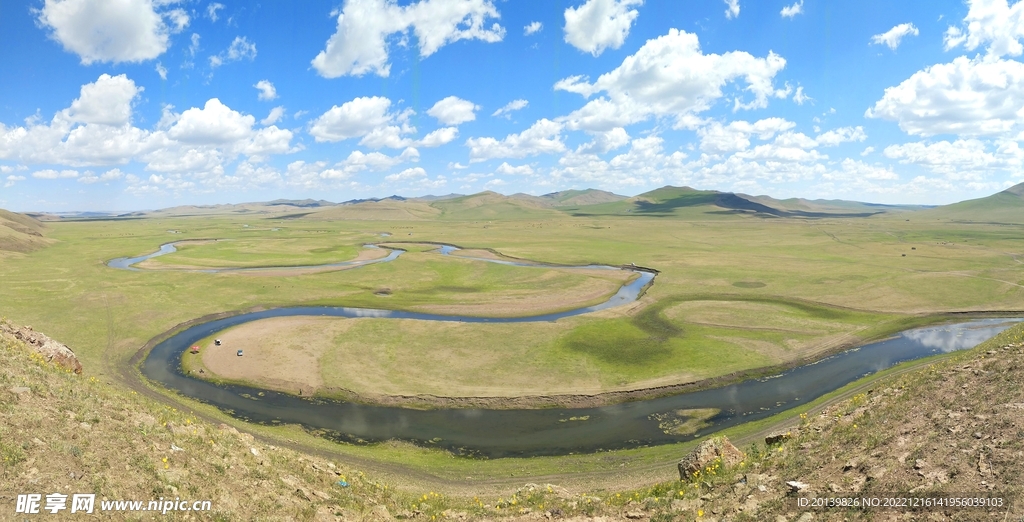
point(53, 351)
point(708, 452)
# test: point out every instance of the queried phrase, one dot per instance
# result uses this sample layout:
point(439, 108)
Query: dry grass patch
point(282, 353)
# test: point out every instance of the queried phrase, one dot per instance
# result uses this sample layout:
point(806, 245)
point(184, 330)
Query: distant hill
point(489, 205)
point(20, 233)
point(1002, 207)
point(302, 203)
point(436, 198)
point(678, 201)
point(568, 198)
point(383, 209)
point(668, 201)
point(373, 200)
point(830, 205)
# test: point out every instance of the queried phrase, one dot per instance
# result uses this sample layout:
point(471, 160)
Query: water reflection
point(946, 339)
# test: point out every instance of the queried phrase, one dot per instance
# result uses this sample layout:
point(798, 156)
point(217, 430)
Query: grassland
point(736, 291)
point(253, 252)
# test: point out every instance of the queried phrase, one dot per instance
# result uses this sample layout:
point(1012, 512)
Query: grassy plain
point(252, 252)
point(736, 292)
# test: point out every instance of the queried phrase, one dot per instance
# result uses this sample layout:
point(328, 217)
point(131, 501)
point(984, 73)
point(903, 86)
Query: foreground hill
point(1003, 207)
point(20, 233)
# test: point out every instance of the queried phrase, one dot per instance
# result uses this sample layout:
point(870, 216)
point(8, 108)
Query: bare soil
point(288, 363)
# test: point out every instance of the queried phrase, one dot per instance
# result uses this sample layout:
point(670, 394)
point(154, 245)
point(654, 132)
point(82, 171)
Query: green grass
point(262, 251)
point(832, 277)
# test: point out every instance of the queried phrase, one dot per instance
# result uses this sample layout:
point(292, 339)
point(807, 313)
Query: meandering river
point(532, 432)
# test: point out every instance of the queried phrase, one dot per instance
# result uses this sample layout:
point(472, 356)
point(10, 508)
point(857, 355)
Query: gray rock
point(706, 453)
point(796, 486)
point(53, 351)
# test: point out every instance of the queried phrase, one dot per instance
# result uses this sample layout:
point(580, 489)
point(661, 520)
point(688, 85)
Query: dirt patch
point(369, 254)
point(284, 362)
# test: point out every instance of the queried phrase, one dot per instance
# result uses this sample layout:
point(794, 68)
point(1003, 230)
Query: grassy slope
point(76, 434)
point(1004, 207)
point(20, 233)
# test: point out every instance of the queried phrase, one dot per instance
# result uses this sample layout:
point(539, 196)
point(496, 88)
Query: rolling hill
point(678, 201)
point(20, 233)
point(1002, 207)
point(489, 205)
point(387, 209)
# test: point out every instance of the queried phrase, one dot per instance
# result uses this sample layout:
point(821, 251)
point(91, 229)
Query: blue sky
point(142, 104)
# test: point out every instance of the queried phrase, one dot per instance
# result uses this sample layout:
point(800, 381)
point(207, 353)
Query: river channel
point(554, 431)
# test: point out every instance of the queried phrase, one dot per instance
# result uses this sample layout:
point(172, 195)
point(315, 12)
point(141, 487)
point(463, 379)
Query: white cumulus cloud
point(990, 22)
point(841, 135)
point(111, 31)
point(603, 142)
point(240, 49)
point(107, 101)
point(275, 114)
point(894, 36)
point(792, 10)
point(409, 174)
point(511, 107)
point(600, 24)
point(799, 97)
point(967, 97)
point(453, 110)
point(110, 175)
point(543, 137)
point(732, 8)
point(370, 118)
point(509, 170)
point(211, 10)
point(532, 27)
point(716, 138)
point(215, 123)
point(671, 76)
point(267, 90)
point(352, 119)
point(963, 159)
point(97, 130)
point(359, 45)
point(54, 174)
